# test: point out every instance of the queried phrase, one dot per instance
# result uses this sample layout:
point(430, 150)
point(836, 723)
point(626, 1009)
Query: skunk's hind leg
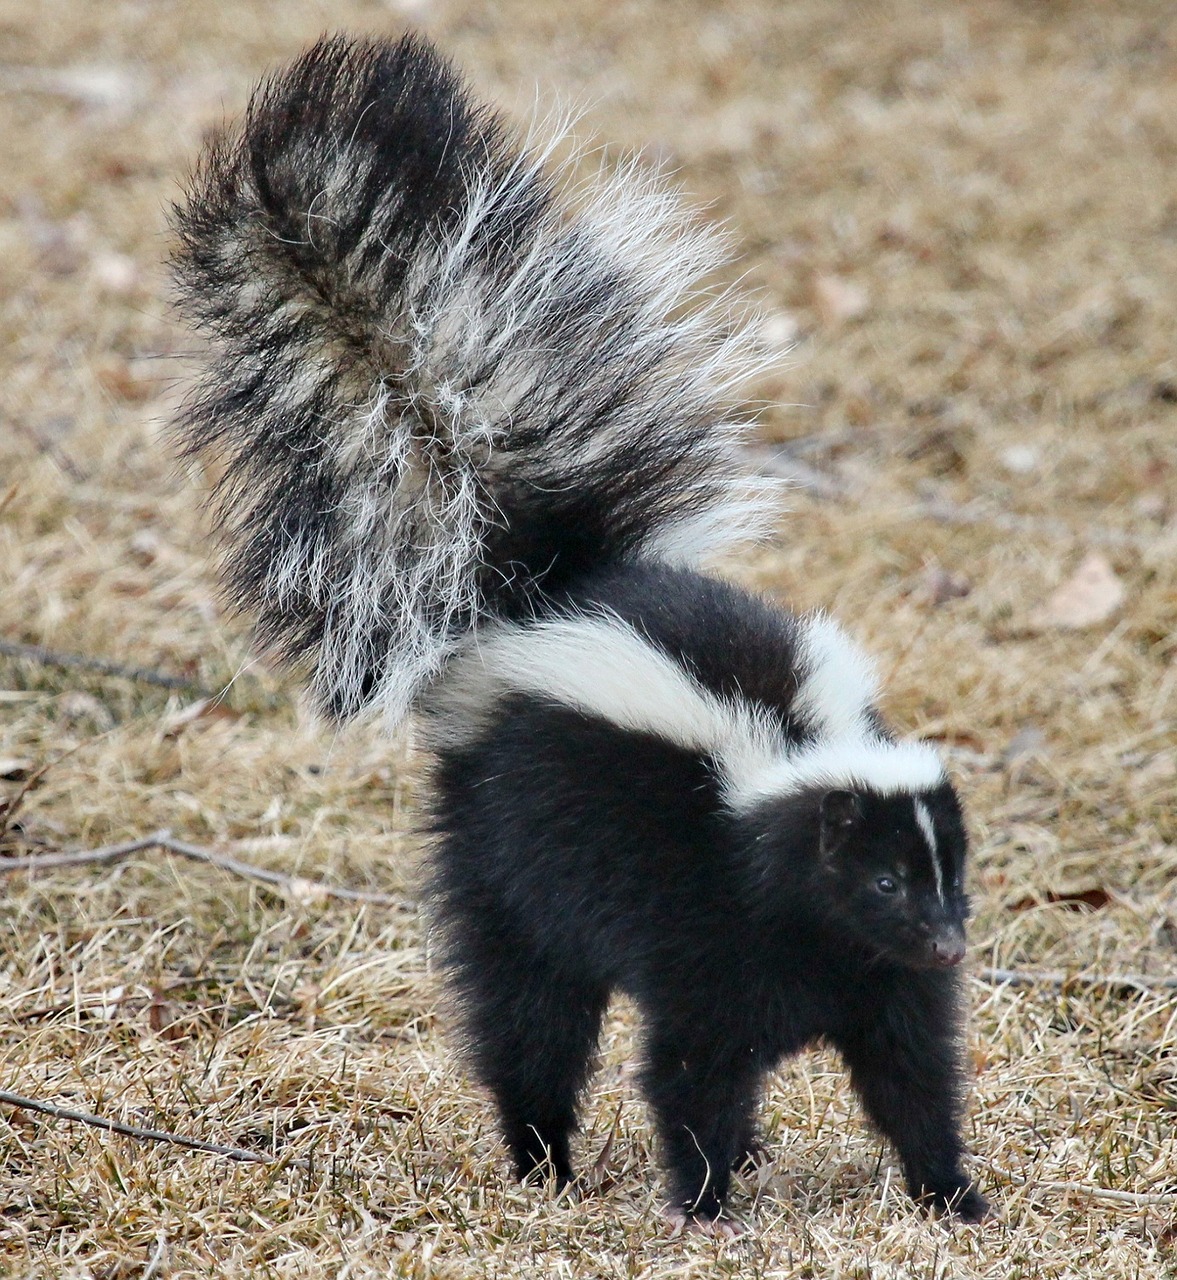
point(532, 1031)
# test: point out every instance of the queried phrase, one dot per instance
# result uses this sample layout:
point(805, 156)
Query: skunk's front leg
point(904, 1062)
point(703, 1096)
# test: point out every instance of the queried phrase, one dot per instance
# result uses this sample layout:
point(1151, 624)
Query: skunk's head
point(891, 873)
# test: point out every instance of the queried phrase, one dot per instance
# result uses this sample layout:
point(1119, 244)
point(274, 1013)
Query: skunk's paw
point(684, 1223)
point(969, 1206)
point(961, 1202)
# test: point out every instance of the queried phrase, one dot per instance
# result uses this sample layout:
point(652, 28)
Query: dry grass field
point(962, 219)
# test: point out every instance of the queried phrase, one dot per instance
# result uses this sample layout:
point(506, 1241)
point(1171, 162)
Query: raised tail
point(441, 385)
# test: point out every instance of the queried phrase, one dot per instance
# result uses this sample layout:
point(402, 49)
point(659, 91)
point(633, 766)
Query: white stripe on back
point(603, 667)
point(837, 686)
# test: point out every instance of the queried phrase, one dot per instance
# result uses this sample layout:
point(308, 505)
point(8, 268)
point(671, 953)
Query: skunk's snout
point(948, 947)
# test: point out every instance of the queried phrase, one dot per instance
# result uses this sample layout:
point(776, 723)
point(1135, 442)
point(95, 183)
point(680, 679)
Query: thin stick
point(775, 461)
point(147, 1135)
point(1011, 522)
point(83, 857)
point(1061, 979)
point(1136, 1199)
point(83, 662)
point(602, 1161)
point(155, 1265)
point(295, 886)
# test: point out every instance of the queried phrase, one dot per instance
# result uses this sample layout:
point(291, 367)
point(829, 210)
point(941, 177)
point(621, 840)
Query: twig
point(296, 887)
point(155, 1263)
point(776, 461)
point(83, 662)
point(819, 442)
point(602, 1161)
point(1061, 979)
point(149, 1135)
point(1011, 522)
point(1139, 1200)
point(50, 449)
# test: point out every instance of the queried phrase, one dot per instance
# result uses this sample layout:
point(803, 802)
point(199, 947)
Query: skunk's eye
point(885, 884)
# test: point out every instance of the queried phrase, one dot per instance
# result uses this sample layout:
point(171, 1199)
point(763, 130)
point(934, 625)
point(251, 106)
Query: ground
point(960, 225)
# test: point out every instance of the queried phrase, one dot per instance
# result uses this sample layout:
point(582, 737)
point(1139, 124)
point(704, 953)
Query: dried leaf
point(1028, 741)
point(1090, 596)
point(837, 300)
point(161, 1017)
point(941, 585)
point(1020, 459)
point(778, 331)
point(203, 709)
point(123, 381)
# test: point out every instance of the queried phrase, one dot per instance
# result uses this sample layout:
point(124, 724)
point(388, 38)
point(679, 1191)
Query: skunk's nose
point(948, 947)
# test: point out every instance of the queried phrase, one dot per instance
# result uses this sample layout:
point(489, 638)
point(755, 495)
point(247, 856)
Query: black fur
point(577, 859)
point(451, 402)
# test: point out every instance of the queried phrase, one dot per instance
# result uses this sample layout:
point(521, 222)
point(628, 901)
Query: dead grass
point(966, 216)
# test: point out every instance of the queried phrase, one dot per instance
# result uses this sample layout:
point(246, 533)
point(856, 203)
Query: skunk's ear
point(841, 816)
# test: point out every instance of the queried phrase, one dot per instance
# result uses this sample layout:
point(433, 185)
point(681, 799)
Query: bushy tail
point(440, 387)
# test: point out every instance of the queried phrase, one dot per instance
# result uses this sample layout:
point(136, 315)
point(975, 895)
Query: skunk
point(478, 440)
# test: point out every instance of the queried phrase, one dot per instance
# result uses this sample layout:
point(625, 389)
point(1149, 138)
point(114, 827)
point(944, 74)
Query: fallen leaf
point(837, 300)
point(1090, 596)
point(124, 381)
point(145, 546)
point(941, 585)
point(202, 709)
point(161, 1017)
point(778, 331)
point(1028, 741)
point(1020, 459)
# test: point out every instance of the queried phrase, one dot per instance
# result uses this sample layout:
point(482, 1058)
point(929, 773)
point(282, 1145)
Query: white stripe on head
point(923, 820)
